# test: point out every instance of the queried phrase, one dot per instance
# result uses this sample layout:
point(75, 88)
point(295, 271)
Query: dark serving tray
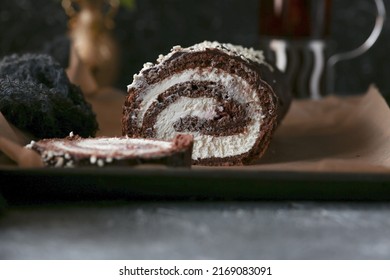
point(19, 185)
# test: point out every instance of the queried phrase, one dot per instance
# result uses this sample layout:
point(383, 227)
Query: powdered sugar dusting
point(247, 54)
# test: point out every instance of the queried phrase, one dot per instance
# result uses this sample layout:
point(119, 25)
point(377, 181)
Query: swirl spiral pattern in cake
point(227, 96)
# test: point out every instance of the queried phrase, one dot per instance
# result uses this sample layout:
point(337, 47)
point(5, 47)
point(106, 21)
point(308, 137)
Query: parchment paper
point(335, 134)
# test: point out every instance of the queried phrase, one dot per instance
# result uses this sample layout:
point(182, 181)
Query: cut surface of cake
point(227, 96)
point(75, 151)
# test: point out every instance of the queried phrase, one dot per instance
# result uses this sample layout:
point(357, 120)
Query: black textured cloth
point(36, 96)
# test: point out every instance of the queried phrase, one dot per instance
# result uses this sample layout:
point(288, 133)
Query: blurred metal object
point(297, 40)
point(302, 61)
point(90, 25)
point(370, 41)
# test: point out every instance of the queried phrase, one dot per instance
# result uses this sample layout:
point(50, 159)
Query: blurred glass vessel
point(295, 34)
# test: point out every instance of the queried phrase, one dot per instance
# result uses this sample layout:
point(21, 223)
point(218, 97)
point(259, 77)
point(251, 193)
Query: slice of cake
point(227, 96)
point(75, 151)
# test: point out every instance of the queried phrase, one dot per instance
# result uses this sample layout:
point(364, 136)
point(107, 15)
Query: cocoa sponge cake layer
point(227, 96)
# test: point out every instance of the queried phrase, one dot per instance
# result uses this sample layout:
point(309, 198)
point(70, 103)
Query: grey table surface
point(196, 230)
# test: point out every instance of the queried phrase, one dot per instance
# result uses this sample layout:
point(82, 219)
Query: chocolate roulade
point(75, 151)
point(227, 96)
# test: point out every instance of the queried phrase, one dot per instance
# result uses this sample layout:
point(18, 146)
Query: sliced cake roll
point(75, 151)
point(227, 96)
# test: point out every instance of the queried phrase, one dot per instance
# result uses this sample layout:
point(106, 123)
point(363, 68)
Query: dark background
point(152, 27)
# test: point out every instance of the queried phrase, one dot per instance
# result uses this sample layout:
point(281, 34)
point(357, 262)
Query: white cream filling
point(206, 146)
point(203, 107)
point(237, 88)
point(110, 146)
